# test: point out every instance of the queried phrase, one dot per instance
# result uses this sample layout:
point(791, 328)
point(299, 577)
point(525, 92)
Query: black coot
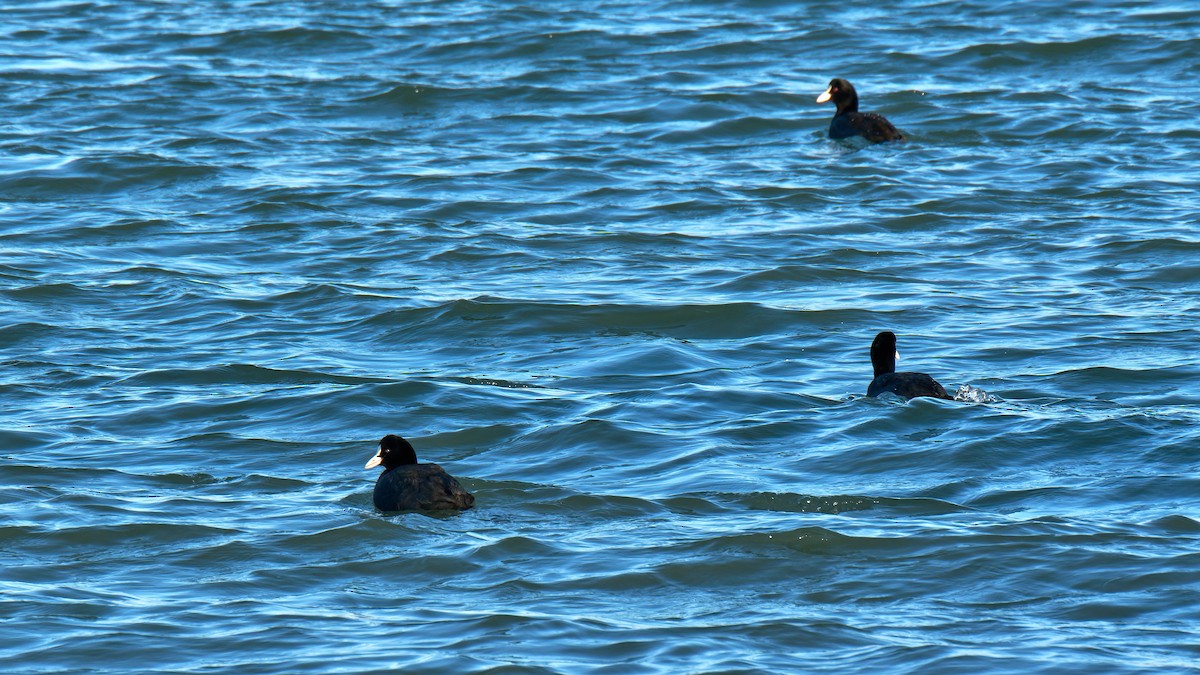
point(908, 385)
point(848, 122)
point(405, 485)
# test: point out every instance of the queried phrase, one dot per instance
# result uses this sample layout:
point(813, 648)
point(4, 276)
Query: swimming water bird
point(848, 122)
point(908, 385)
point(405, 485)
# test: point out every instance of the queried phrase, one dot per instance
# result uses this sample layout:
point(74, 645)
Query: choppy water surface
point(603, 265)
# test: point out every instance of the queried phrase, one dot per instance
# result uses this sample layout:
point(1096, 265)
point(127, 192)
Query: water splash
point(971, 394)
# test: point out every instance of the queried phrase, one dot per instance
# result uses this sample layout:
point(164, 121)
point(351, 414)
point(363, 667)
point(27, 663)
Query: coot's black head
point(393, 452)
point(883, 353)
point(842, 93)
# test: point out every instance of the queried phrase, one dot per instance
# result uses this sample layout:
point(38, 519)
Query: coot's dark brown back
point(426, 487)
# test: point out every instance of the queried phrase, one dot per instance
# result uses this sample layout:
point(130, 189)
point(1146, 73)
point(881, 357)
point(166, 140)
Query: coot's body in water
point(908, 385)
point(848, 122)
point(405, 485)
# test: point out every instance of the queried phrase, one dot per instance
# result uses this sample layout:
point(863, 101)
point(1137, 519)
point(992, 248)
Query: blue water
point(604, 266)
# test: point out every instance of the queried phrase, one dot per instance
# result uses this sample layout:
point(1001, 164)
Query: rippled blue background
point(603, 265)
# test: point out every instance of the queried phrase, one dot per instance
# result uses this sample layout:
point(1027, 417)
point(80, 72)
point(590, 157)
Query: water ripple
point(604, 265)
